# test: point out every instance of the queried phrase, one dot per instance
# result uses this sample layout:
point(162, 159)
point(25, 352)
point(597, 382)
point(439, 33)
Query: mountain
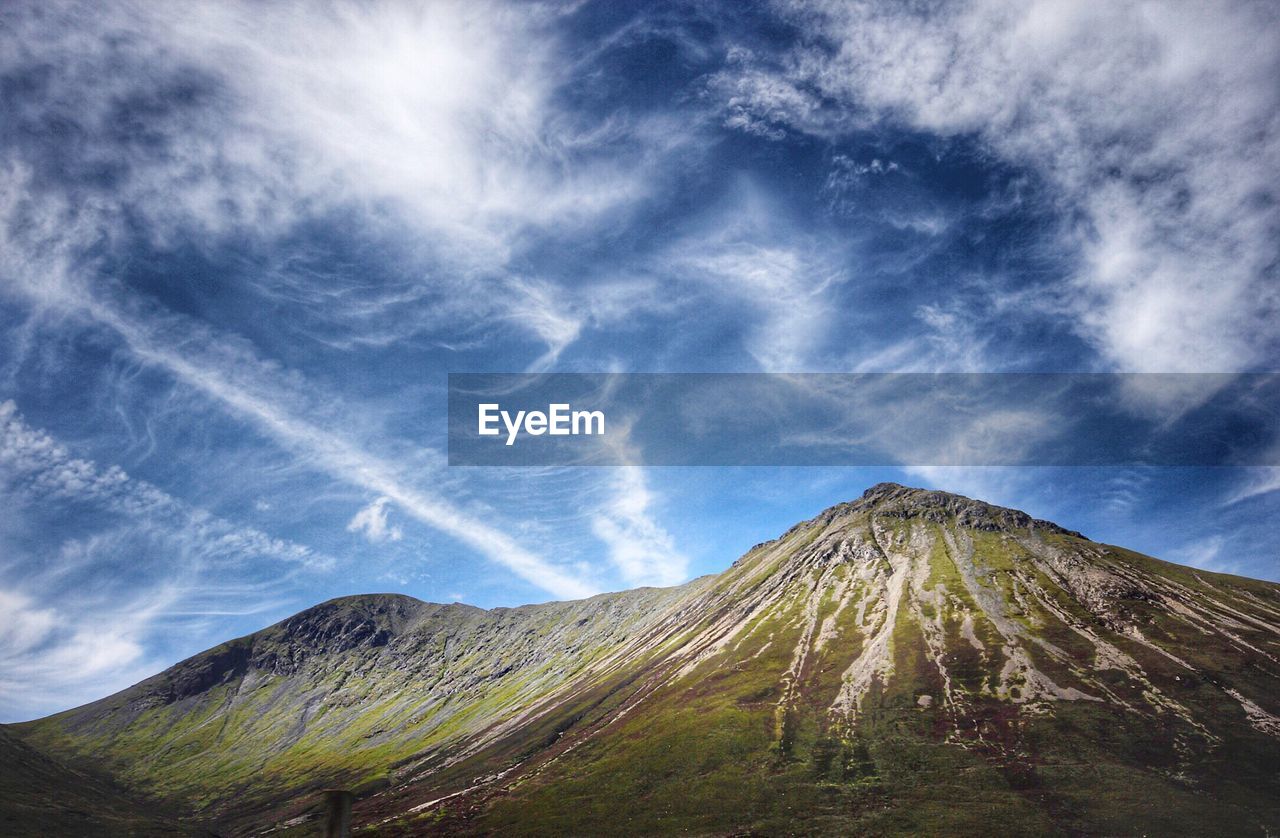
point(42, 796)
point(910, 662)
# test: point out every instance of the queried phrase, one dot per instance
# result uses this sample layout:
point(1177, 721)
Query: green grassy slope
point(43, 796)
point(909, 662)
point(1022, 677)
point(355, 692)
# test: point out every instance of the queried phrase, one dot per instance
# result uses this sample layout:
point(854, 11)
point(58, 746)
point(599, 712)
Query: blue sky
point(245, 243)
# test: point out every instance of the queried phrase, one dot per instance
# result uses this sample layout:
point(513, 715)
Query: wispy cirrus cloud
point(50, 275)
point(638, 545)
point(1205, 553)
point(438, 124)
point(437, 129)
point(780, 282)
point(1256, 482)
point(1158, 152)
point(240, 391)
point(48, 655)
point(35, 466)
point(78, 620)
point(445, 109)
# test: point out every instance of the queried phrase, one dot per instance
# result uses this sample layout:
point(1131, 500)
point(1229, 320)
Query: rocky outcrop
point(897, 501)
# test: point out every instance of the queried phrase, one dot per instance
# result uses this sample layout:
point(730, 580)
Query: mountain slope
point(910, 661)
point(350, 692)
point(42, 796)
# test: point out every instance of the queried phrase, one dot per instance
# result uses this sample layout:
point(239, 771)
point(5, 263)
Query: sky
point(244, 244)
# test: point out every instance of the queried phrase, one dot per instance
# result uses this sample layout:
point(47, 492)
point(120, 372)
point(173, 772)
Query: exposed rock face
point(894, 500)
point(1012, 666)
point(333, 628)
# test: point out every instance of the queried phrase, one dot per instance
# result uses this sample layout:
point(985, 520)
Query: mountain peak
point(898, 501)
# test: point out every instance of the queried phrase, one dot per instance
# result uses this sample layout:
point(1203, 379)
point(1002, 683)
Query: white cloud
point(1001, 485)
point(55, 657)
point(238, 391)
point(960, 426)
point(438, 124)
point(371, 521)
point(784, 279)
point(46, 242)
point(35, 465)
point(642, 550)
point(76, 619)
point(1257, 482)
point(764, 99)
point(440, 119)
point(954, 339)
point(26, 625)
point(445, 109)
point(1155, 125)
point(1205, 553)
point(544, 310)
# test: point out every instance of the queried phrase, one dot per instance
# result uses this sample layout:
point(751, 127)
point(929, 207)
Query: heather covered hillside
point(909, 661)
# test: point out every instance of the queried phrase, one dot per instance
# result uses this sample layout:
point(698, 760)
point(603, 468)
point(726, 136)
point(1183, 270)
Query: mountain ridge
point(904, 621)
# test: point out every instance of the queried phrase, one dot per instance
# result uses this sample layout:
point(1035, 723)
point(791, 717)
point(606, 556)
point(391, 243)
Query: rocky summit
point(911, 662)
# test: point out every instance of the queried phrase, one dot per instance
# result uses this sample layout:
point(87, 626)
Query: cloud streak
point(47, 655)
point(783, 281)
point(343, 459)
point(47, 241)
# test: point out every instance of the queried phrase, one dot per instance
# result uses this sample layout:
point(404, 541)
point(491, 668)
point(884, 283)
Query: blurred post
point(337, 813)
